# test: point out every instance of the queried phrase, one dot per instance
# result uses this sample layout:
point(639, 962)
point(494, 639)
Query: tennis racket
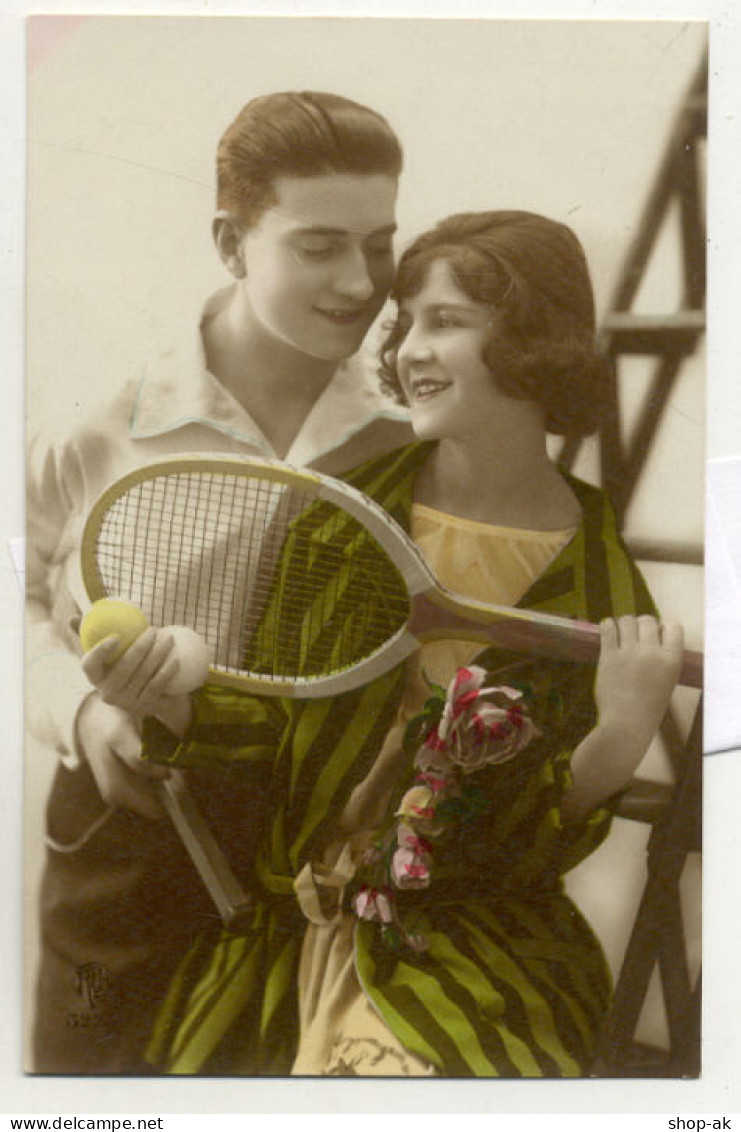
point(301, 586)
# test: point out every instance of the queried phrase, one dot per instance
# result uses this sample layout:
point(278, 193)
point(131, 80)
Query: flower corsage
point(459, 732)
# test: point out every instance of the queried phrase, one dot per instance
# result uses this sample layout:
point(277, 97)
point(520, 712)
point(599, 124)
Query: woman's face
point(450, 389)
point(319, 263)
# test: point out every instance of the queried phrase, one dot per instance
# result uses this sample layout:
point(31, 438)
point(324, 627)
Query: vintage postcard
point(459, 864)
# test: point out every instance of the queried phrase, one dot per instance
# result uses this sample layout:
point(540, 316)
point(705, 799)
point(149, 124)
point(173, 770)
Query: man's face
point(319, 262)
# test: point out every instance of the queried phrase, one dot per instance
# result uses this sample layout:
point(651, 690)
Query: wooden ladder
point(674, 812)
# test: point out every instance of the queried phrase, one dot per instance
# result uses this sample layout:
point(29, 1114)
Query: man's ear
point(228, 232)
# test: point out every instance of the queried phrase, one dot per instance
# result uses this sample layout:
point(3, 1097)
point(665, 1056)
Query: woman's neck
point(508, 481)
point(272, 380)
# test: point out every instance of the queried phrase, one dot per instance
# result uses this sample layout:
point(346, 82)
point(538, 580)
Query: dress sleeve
point(522, 834)
point(527, 844)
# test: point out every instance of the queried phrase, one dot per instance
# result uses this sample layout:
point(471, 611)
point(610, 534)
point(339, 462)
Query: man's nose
point(354, 279)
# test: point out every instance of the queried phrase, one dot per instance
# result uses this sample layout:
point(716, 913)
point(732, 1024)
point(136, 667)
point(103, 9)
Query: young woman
point(410, 906)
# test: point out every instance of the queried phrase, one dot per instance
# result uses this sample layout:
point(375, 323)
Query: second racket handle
point(232, 902)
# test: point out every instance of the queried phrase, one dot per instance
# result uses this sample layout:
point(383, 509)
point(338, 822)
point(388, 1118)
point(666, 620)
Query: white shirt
point(176, 406)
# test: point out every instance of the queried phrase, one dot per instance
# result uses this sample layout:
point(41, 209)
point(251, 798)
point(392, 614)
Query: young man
point(306, 198)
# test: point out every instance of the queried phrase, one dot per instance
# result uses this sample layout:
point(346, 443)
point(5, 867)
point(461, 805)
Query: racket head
point(316, 548)
point(272, 565)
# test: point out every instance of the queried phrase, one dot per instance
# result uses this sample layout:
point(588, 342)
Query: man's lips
point(341, 316)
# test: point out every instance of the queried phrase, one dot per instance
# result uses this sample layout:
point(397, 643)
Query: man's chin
point(337, 354)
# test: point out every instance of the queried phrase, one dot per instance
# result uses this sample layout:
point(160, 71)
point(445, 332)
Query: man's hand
point(110, 740)
point(139, 678)
point(138, 681)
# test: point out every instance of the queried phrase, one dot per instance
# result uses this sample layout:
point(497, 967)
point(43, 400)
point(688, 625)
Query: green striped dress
point(514, 982)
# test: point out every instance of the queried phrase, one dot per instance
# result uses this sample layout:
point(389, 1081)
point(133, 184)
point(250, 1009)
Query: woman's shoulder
point(586, 492)
point(611, 570)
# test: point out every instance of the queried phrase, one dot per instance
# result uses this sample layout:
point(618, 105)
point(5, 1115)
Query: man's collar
point(178, 390)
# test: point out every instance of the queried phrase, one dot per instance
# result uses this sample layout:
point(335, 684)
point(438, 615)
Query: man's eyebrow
point(323, 230)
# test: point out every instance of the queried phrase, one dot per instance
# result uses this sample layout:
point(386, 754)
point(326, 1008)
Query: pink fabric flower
point(374, 904)
point(408, 837)
point(462, 691)
point(410, 868)
point(482, 726)
point(479, 726)
point(433, 761)
point(418, 803)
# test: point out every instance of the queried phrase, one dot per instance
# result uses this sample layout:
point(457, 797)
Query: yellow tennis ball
point(193, 656)
point(111, 617)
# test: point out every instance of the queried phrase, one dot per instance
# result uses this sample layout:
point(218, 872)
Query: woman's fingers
point(672, 635)
point(608, 634)
point(644, 630)
point(648, 629)
point(627, 630)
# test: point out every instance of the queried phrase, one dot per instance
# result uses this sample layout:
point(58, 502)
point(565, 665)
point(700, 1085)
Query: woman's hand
point(137, 682)
point(639, 666)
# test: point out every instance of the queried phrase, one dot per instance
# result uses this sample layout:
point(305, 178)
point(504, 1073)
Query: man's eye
point(316, 250)
point(380, 251)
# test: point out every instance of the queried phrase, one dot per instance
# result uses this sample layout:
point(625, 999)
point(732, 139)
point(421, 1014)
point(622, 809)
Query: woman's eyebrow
point(434, 308)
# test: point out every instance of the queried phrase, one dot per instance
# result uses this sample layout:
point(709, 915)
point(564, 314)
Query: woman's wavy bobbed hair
point(533, 273)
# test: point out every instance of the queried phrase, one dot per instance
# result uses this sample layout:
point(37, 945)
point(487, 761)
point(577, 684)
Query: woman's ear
point(228, 232)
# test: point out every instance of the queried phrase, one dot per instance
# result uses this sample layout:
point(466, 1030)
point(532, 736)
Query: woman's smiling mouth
point(424, 388)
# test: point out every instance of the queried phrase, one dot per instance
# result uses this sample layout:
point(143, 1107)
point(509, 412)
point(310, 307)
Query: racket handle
point(692, 667)
point(522, 630)
point(233, 903)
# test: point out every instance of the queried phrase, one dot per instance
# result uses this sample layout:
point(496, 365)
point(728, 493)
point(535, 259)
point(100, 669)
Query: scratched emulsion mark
point(44, 32)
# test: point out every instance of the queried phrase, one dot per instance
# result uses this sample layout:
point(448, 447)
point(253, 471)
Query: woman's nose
point(415, 347)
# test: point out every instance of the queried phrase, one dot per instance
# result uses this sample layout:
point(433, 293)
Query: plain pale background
point(549, 187)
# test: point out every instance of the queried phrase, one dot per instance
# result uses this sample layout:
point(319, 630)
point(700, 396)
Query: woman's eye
point(446, 320)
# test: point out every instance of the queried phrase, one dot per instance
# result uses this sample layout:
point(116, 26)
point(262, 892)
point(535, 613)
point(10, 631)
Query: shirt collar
point(177, 390)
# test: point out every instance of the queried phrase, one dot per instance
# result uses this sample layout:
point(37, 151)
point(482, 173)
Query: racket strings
point(339, 601)
point(183, 548)
point(276, 583)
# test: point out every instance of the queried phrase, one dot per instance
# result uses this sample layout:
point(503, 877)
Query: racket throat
point(438, 614)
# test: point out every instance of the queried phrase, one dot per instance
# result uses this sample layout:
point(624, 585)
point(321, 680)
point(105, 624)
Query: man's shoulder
point(102, 414)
